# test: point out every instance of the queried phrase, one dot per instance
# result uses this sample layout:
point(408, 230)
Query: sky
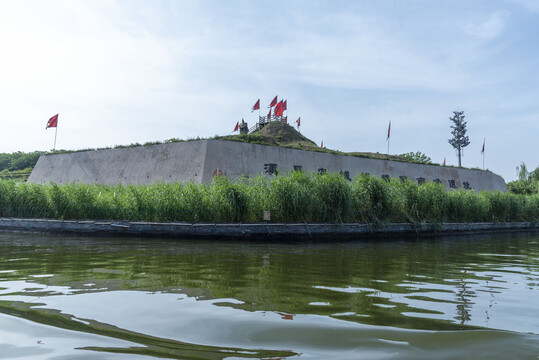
point(122, 72)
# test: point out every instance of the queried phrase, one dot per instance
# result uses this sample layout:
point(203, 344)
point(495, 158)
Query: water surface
point(65, 297)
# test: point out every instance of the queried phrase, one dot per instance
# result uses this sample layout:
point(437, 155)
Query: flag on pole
point(322, 144)
point(273, 102)
point(444, 161)
point(237, 126)
point(269, 115)
point(285, 119)
point(256, 106)
point(53, 122)
point(298, 121)
point(388, 130)
point(279, 108)
point(284, 105)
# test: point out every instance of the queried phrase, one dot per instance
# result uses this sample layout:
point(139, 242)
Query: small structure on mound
point(274, 150)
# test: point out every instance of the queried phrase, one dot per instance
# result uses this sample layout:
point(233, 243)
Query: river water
point(67, 297)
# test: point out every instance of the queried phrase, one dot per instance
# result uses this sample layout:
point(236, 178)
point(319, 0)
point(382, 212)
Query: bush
point(293, 197)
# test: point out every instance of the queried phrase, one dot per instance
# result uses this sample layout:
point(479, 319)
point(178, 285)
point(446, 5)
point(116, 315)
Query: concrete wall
point(200, 160)
point(182, 161)
point(236, 159)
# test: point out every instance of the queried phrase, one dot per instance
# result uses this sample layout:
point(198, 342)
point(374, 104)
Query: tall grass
point(292, 197)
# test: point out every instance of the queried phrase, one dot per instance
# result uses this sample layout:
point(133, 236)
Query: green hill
point(277, 133)
point(281, 134)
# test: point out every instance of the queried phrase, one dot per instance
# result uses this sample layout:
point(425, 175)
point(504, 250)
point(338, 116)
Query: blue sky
point(120, 72)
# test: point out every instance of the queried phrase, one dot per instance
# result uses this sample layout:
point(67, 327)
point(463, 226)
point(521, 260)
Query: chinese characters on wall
point(272, 169)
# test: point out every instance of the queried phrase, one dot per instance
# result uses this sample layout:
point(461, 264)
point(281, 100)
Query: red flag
point(389, 130)
point(444, 161)
point(483, 149)
point(256, 106)
point(269, 115)
point(237, 126)
point(298, 120)
point(285, 119)
point(322, 144)
point(53, 122)
point(284, 105)
point(273, 102)
point(279, 109)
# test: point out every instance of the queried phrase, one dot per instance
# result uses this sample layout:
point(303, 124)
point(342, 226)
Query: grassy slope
point(19, 175)
point(274, 134)
point(278, 134)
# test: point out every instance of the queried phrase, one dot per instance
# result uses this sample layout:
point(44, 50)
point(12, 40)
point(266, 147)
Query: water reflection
point(217, 300)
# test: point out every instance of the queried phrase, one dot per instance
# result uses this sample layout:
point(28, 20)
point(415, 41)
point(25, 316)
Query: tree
point(459, 140)
point(417, 157)
point(527, 183)
point(522, 172)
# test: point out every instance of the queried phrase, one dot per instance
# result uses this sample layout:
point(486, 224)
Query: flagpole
point(388, 137)
point(483, 153)
point(55, 133)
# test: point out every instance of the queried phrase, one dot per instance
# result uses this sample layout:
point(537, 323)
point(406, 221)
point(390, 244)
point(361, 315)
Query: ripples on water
point(98, 298)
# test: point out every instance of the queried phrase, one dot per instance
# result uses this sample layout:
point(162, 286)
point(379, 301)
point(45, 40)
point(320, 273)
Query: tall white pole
point(388, 136)
point(55, 133)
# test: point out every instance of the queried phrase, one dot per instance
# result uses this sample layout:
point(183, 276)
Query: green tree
point(459, 140)
point(527, 183)
point(522, 172)
point(417, 157)
point(5, 161)
point(534, 175)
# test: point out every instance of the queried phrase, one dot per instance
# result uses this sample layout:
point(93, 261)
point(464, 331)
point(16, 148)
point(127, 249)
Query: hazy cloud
point(489, 28)
point(137, 71)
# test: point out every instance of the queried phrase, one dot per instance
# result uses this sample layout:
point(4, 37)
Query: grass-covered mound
point(296, 197)
point(276, 133)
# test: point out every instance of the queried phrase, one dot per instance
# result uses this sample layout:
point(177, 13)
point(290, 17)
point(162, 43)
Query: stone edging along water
point(257, 230)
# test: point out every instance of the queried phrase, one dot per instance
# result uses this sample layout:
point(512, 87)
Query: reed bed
point(290, 198)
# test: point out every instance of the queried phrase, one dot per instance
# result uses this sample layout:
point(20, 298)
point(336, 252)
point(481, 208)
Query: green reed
point(291, 197)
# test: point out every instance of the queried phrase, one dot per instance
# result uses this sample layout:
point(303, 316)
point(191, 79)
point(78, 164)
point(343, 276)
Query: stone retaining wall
point(200, 160)
point(292, 232)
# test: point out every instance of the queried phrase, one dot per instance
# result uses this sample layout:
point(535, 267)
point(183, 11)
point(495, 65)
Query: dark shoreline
point(268, 231)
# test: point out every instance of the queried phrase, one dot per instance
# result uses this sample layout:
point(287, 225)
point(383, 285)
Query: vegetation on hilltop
point(417, 157)
point(19, 165)
point(276, 133)
point(280, 134)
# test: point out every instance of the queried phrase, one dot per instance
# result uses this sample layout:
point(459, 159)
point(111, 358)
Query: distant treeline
point(19, 160)
point(527, 183)
point(295, 197)
point(10, 162)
